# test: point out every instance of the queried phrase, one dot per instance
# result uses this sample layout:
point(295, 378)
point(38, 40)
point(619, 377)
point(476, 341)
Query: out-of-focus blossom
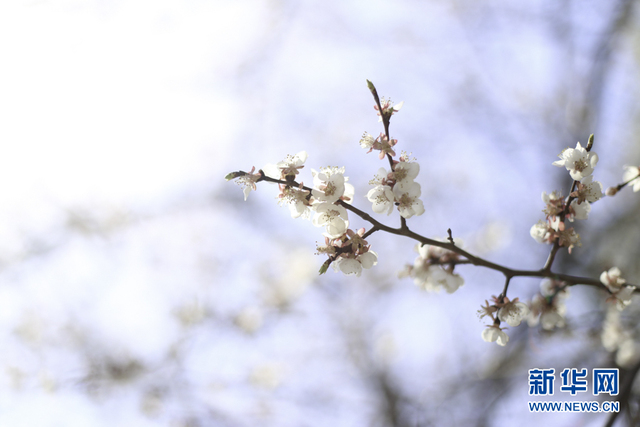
point(541, 233)
point(632, 173)
point(493, 333)
point(612, 280)
point(513, 312)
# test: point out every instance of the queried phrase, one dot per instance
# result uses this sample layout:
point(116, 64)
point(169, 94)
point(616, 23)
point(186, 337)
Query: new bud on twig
point(590, 143)
point(372, 88)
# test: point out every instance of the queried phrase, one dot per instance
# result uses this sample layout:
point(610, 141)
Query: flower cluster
point(397, 188)
point(511, 312)
point(349, 253)
point(580, 163)
point(347, 250)
point(330, 187)
point(328, 204)
point(433, 269)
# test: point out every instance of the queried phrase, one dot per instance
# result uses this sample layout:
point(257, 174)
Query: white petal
point(272, 171)
point(350, 266)
point(368, 259)
point(301, 156)
point(418, 207)
point(503, 338)
point(489, 334)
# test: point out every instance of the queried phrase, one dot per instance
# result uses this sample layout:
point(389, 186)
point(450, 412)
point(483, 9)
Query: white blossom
point(629, 173)
point(589, 190)
point(354, 266)
point(450, 282)
point(553, 318)
point(329, 184)
point(299, 205)
point(513, 313)
point(540, 232)
point(493, 333)
point(433, 278)
point(406, 172)
point(548, 312)
point(248, 182)
point(431, 270)
point(623, 297)
point(568, 238)
point(368, 259)
point(349, 191)
point(380, 178)
point(290, 165)
point(556, 223)
point(299, 208)
point(580, 210)
point(612, 333)
point(628, 353)
point(272, 171)
point(550, 287)
point(334, 217)
point(612, 280)
point(367, 141)
point(382, 198)
point(408, 200)
point(554, 198)
point(578, 162)
point(388, 108)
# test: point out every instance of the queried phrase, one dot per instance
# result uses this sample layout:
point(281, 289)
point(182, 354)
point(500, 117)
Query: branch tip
point(590, 143)
point(325, 266)
point(371, 87)
point(233, 175)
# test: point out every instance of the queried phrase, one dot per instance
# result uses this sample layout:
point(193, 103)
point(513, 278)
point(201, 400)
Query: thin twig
point(472, 259)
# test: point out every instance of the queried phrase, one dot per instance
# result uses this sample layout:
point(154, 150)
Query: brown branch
point(471, 259)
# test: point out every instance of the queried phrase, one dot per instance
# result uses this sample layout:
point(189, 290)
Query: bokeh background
point(138, 288)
